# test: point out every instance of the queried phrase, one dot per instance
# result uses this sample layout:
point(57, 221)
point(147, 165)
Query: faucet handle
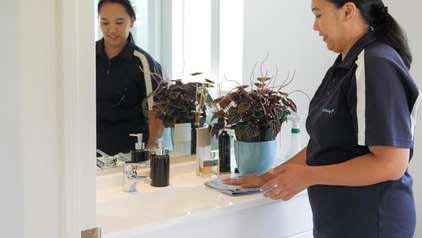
point(130, 171)
point(102, 153)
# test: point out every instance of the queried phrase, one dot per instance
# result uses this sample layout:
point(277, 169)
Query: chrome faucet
point(131, 177)
point(105, 161)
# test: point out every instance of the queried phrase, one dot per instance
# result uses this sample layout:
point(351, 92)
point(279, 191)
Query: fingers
point(245, 182)
point(236, 181)
point(276, 190)
point(270, 185)
point(230, 181)
point(278, 194)
point(249, 185)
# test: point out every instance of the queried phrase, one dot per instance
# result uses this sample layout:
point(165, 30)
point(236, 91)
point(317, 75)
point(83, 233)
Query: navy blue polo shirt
point(367, 99)
point(122, 84)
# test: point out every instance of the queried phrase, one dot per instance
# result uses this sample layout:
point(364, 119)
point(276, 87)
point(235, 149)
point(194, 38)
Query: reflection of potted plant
point(256, 114)
point(182, 106)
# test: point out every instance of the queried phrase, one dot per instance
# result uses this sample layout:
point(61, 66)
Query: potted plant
point(182, 106)
point(256, 113)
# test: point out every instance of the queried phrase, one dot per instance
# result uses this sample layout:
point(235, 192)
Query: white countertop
point(120, 214)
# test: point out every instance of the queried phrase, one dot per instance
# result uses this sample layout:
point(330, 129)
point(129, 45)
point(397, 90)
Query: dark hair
point(125, 3)
point(383, 24)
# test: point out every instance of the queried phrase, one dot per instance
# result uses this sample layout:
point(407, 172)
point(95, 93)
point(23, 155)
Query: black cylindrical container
point(138, 156)
point(160, 170)
point(224, 151)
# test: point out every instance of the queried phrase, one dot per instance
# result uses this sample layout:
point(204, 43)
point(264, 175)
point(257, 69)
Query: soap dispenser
point(139, 154)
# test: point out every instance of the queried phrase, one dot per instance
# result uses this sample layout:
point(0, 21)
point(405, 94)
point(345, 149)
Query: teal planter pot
point(255, 158)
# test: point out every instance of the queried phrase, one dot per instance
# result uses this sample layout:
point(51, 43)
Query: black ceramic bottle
point(160, 170)
point(160, 166)
point(224, 151)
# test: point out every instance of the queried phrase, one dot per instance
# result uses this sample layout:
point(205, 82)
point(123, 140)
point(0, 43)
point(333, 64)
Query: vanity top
point(153, 208)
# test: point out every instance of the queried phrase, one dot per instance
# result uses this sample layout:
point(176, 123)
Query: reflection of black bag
point(224, 151)
point(193, 131)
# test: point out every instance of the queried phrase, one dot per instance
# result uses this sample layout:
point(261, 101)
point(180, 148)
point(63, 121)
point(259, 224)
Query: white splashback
point(284, 30)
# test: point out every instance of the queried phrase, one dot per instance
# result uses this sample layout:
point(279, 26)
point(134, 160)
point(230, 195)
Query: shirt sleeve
point(379, 104)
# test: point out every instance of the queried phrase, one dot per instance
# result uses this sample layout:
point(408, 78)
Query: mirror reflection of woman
point(125, 74)
point(355, 164)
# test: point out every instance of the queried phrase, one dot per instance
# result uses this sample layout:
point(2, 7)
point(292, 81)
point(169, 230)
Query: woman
point(361, 124)
point(125, 76)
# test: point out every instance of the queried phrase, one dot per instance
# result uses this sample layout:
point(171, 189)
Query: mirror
point(183, 36)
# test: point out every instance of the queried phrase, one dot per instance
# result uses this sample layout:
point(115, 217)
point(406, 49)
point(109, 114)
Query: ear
point(350, 11)
point(132, 22)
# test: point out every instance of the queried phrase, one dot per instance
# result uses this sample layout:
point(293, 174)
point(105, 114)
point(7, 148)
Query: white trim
point(415, 112)
point(154, 28)
point(78, 92)
point(361, 98)
point(166, 40)
point(147, 77)
point(215, 39)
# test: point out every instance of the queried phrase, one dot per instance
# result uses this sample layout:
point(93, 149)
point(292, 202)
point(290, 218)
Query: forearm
point(361, 171)
point(155, 127)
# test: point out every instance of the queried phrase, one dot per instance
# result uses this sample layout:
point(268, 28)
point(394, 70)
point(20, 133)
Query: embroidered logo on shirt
point(329, 111)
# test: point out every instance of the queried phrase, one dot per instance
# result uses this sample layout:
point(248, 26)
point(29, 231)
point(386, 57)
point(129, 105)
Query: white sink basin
point(187, 195)
point(155, 206)
point(187, 208)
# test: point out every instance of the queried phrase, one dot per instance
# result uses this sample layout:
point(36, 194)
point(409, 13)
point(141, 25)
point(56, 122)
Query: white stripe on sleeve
point(147, 77)
point(415, 111)
point(361, 98)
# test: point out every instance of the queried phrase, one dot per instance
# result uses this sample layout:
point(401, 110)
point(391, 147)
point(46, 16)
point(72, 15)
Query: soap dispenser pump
point(295, 145)
point(139, 154)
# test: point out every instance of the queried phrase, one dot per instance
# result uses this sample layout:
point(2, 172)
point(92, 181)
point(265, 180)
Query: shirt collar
point(126, 53)
point(354, 52)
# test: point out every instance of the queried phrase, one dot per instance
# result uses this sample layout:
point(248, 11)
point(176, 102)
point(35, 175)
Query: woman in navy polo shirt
point(361, 124)
point(125, 76)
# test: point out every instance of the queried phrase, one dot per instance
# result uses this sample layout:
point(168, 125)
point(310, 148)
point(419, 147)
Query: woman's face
point(115, 24)
point(329, 24)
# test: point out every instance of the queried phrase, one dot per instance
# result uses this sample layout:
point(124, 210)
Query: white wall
point(11, 212)
point(40, 135)
point(34, 114)
point(30, 136)
point(285, 31)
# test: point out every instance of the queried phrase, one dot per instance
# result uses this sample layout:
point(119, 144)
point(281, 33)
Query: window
point(191, 38)
point(188, 36)
point(140, 29)
point(207, 37)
